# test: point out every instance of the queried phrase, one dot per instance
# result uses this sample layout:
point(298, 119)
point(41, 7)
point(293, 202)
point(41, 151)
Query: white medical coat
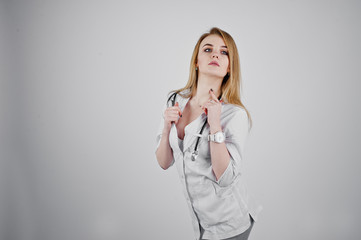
point(221, 207)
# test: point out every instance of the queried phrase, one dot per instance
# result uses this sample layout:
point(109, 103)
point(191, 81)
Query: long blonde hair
point(232, 83)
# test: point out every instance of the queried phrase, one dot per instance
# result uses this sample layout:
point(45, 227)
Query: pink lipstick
point(214, 63)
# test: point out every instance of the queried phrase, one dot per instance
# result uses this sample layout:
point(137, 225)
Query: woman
point(203, 131)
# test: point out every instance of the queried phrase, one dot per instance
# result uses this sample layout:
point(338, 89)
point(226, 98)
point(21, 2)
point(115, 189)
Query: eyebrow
point(208, 44)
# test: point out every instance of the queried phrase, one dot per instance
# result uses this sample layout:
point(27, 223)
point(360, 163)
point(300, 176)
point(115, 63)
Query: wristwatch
point(217, 137)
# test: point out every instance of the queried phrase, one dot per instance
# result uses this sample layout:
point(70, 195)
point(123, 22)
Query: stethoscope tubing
point(195, 151)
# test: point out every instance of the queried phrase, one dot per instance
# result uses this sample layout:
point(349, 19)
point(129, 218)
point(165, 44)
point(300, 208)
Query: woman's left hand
point(213, 109)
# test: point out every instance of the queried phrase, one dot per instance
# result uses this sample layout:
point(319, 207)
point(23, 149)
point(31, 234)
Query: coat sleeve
point(236, 131)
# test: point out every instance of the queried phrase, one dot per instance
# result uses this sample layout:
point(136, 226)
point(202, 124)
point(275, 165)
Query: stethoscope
point(195, 151)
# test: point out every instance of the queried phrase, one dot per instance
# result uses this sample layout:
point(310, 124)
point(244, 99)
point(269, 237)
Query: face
point(213, 57)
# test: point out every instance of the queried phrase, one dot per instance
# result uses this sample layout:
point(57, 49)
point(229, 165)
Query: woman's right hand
point(171, 115)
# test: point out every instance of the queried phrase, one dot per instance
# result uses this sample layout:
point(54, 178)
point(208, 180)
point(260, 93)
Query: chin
point(216, 74)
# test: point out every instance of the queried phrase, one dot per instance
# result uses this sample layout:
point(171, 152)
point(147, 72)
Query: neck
point(205, 83)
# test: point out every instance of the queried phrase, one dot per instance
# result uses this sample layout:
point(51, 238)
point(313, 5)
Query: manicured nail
point(181, 115)
point(211, 89)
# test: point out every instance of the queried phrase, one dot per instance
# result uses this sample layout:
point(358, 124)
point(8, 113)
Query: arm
point(226, 157)
point(220, 157)
point(236, 130)
point(164, 152)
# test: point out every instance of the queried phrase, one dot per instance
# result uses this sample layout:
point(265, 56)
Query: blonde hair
point(232, 83)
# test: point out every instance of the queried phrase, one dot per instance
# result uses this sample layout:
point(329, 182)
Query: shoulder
point(231, 110)
point(184, 93)
point(234, 116)
point(175, 96)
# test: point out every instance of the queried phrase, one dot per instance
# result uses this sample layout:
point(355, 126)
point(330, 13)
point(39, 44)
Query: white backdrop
point(83, 84)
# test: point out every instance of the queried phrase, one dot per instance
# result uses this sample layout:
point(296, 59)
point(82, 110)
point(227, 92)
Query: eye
point(224, 52)
point(207, 50)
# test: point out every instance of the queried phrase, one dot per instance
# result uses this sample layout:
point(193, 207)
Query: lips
point(214, 63)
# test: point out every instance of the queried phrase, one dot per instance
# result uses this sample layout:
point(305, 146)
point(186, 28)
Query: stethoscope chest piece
point(194, 155)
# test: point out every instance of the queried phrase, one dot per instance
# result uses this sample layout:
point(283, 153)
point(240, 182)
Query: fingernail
point(181, 115)
point(211, 89)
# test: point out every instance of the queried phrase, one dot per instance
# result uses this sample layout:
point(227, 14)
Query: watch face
point(219, 137)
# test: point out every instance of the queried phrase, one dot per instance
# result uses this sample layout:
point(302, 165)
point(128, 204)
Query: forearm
point(220, 157)
point(164, 152)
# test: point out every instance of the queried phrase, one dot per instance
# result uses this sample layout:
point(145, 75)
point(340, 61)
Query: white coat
point(221, 207)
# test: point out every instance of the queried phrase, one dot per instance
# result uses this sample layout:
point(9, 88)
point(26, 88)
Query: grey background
point(82, 88)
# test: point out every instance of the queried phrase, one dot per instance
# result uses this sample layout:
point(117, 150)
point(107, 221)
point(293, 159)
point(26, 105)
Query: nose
point(215, 55)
